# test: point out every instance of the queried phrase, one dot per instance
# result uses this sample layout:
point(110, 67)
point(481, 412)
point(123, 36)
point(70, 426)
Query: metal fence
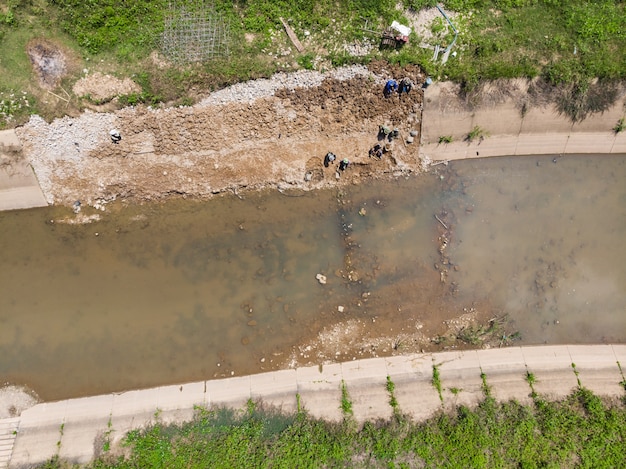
point(194, 32)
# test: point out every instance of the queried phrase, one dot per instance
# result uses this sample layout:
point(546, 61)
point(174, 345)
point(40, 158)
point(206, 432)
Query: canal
point(488, 252)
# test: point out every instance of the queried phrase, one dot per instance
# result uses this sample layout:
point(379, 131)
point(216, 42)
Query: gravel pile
point(262, 88)
point(63, 143)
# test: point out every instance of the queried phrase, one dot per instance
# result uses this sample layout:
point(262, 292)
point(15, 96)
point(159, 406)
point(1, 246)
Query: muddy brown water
point(186, 290)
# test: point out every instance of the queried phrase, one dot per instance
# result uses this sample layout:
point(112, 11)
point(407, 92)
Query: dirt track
point(278, 141)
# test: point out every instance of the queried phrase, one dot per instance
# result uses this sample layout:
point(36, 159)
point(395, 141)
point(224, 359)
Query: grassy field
point(580, 431)
point(569, 44)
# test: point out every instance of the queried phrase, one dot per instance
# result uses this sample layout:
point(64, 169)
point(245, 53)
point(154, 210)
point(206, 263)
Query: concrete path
point(19, 187)
point(505, 131)
point(76, 429)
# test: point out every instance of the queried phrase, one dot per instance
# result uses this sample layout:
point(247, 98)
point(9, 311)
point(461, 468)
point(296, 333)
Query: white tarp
point(404, 30)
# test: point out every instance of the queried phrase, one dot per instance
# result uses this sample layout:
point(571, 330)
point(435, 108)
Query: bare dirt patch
point(50, 63)
point(101, 88)
point(278, 140)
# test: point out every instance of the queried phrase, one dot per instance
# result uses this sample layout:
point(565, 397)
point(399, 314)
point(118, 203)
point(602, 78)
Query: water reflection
point(186, 290)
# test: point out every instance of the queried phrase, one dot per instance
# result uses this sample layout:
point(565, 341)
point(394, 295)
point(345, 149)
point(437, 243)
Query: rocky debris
point(14, 400)
point(248, 92)
point(264, 133)
point(321, 279)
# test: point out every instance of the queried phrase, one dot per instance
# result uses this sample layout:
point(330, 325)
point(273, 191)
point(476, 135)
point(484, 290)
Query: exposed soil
point(278, 139)
point(101, 88)
point(49, 62)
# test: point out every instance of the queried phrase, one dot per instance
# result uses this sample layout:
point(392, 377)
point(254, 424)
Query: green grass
point(567, 43)
point(578, 431)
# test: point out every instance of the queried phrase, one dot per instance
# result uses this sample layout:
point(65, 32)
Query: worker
point(343, 164)
point(115, 136)
point(406, 85)
point(390, 87)
point(376, 151)
point(329, 158)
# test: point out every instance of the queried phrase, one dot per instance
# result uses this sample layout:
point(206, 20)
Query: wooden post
point(292, 36)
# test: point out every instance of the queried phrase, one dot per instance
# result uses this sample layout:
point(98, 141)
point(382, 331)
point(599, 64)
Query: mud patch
point(49, 62)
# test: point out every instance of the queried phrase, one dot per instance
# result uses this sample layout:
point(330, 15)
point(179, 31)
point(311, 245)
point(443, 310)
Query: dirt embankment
point(277, 139)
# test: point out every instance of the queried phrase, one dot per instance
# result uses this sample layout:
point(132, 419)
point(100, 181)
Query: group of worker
point(405, 86)
point(330, 159)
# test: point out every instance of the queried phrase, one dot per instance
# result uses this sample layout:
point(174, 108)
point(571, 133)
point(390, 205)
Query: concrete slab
point(601, 122)
point(412, 376)
point(39, 435)
point(134, 402)
point(619, 144)
point(587, 142)
point(541, 144)
point(35, 445)
point(229, 392)
point(277, 389)
point(494, 146)
point(19, 187)
point(79, 439)
point(552, 367)
point(597, 369)
point(368, 370)
point(506, 373)
point(448, 151)
point(418, 366)
point(181, 396)
point(541, 120)
point(320, 390)
point(366, 384)
point(620, 355)
point(46, 413)
point(505, 121)
point(417, 398)
point(460, 379)
point(95, 407)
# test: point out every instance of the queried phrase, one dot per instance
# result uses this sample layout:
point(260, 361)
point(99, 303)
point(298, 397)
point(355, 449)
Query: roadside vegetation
point(579, 431)
point(579, 46)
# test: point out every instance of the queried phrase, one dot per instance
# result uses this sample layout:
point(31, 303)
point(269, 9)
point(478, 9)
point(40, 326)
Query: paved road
point(76, 428)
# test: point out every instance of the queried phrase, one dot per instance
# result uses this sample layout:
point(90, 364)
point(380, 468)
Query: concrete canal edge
point(19, 187)
point(500, 128)
point(76, 429)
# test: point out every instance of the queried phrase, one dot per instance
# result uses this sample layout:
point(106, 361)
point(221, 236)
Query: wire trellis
point(194, 32)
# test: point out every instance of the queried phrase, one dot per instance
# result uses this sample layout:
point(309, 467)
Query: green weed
point(436, 381)
point(346, 403)
point(475, 133)
point(485, 386)
point(620, 126)
point(393, 402)
point(576, 372)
